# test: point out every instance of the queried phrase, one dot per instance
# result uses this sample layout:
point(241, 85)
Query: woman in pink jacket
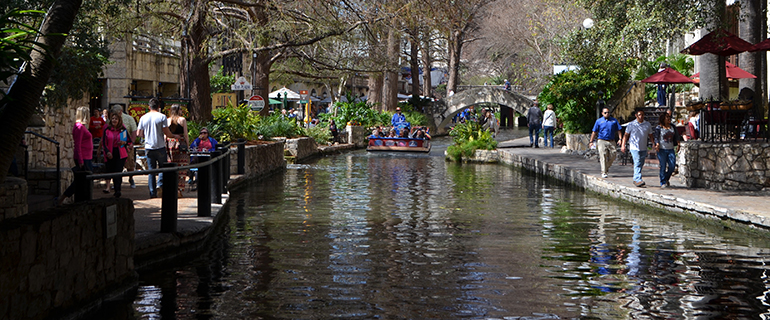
point(83, 149)
point(114, 145)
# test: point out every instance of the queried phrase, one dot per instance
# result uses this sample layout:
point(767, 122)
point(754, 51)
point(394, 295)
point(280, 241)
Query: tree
point(18, 105)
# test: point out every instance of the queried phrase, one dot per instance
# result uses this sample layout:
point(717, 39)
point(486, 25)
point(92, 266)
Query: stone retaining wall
point(43, 181)
point(725, 166)
point(13, 199)
point(54, 261)
point(301, 148)
point(357, 135)
point(58, 124)
point(261, 160)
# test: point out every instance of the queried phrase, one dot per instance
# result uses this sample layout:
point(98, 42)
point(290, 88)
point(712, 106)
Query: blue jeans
point(639, 157)
point(155, 158)
point(667, 161)
point(87, 166)
point(536, 130)
point(548, 133)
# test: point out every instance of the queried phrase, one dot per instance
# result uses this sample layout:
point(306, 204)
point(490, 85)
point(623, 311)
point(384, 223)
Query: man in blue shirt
point(607, 130)
point(397, 118)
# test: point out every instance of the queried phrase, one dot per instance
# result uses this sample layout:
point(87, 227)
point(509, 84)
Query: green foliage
point(574, 95)
point(320, 134)
point(469, 137)
point(679, 62)
point(220, 82)
point(358, 113)
point(276, 125)
point(75, 75)
point(233, 122)
point(409, 109)
point(16, 41)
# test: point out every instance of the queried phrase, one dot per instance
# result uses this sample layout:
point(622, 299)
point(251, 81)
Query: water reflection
point(395, 236)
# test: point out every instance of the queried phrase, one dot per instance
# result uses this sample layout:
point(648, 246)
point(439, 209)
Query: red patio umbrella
point(733, 72)
point(719, 42)
point(764, 45)
point(667, 76)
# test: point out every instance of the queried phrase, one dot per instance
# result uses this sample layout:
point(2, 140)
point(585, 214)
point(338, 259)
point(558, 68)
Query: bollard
point(225, 169)
point(83, 186)
point(168, 209)
point(204, 191)
point(216, 179)
point(241, 156)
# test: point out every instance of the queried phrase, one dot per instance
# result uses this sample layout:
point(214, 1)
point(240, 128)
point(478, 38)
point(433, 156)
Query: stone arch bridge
point(445, 109)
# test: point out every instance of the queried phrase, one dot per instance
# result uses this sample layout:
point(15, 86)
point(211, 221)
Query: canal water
point(409, 236)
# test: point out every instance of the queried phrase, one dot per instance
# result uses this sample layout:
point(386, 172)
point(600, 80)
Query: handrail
point(58, 159)
point(159, 170)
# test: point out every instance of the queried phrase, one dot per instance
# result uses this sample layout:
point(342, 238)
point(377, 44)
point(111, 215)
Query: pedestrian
point(397, 118)
point(666, 140)
point(153, 126)
point(507, 85)
point(130, 124)
point(534, 117)
point(691, 131)
point(491, 123)
point(605, 130)
point(637, 134)
point(334, 131)
point(96, 125)
point(178, 147)
point(549, 124)
point(114, 147)
point(82, 149)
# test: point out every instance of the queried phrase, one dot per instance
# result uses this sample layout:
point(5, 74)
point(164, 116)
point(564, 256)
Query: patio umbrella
point(764, 45)
point(667, 76)
point(280, 93)
point(733, 72)
point(719, 42)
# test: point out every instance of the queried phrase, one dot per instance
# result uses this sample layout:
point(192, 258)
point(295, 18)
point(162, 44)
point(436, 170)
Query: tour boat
point(398, 144)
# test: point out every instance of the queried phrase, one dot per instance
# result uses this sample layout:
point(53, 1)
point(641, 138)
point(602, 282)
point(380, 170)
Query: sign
point(137, 110)
point(256, 103)
point(241, 84)
point(303, 95)
point(221, 100)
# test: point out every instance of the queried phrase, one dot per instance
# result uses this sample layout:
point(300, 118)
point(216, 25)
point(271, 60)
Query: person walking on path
point(605, 130)
point(153, 126)
point(549, 124)
point(177, 148)
point(666, 140)
point(96, 125)
point(637, 133)
point(114, 144)
point(130, 124)
point(534, 115)
point(82, 150)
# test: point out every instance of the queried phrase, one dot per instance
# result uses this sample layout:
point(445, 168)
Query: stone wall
point(13, 199)
point(261, 160)
point(577, 142)
point(58, 126)
point(301, 148)
point(357, 135)
point(725, 166)
point(54, 261)
point(43, 181)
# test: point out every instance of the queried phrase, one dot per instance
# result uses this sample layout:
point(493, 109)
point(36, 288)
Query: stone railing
point(357, 135)
point(301, 148)
point(55, 261)
point(261, 159)
point(725, 166)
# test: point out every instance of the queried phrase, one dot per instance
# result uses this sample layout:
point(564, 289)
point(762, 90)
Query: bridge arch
point(445, 109)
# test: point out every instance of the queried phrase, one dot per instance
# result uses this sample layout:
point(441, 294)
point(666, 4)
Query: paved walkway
point(743, 206)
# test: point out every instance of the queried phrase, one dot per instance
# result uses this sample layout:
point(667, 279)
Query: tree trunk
point(195, 64)
point(375, 90)
point(752, 62)
point(427, 64)
point(390, 89)
point(414, 61)
point(713, 80)
point(17, 107)
point(455, 47)
point(262, 80)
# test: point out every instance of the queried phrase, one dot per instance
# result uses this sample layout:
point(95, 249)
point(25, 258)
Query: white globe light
point(588, 23)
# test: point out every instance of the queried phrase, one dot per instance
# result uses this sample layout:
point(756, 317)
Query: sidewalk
point(749, 207)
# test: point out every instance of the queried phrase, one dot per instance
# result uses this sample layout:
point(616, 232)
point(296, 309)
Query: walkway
point(743, 206)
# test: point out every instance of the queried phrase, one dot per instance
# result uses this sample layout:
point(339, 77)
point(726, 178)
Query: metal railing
point(215, 171)
point(58, 159)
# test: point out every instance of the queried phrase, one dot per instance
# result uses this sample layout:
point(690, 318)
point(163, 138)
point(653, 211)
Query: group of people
point(165, 140)
point(537, 120)
point(664, 137)
point(486, 120)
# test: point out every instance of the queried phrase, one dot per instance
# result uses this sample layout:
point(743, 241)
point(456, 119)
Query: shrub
point(276, 125)
point(320, 134)
point(233, 122)
point(469, 137)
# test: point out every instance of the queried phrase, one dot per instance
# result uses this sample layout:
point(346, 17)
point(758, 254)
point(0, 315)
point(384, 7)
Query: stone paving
point(750, 207)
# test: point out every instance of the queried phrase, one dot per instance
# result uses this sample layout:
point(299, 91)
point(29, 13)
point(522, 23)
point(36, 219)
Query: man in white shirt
point(637, 134)
point(153, 126)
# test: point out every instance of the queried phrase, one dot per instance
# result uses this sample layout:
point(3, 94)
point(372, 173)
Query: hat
point(204, 130)
point(398, 109)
